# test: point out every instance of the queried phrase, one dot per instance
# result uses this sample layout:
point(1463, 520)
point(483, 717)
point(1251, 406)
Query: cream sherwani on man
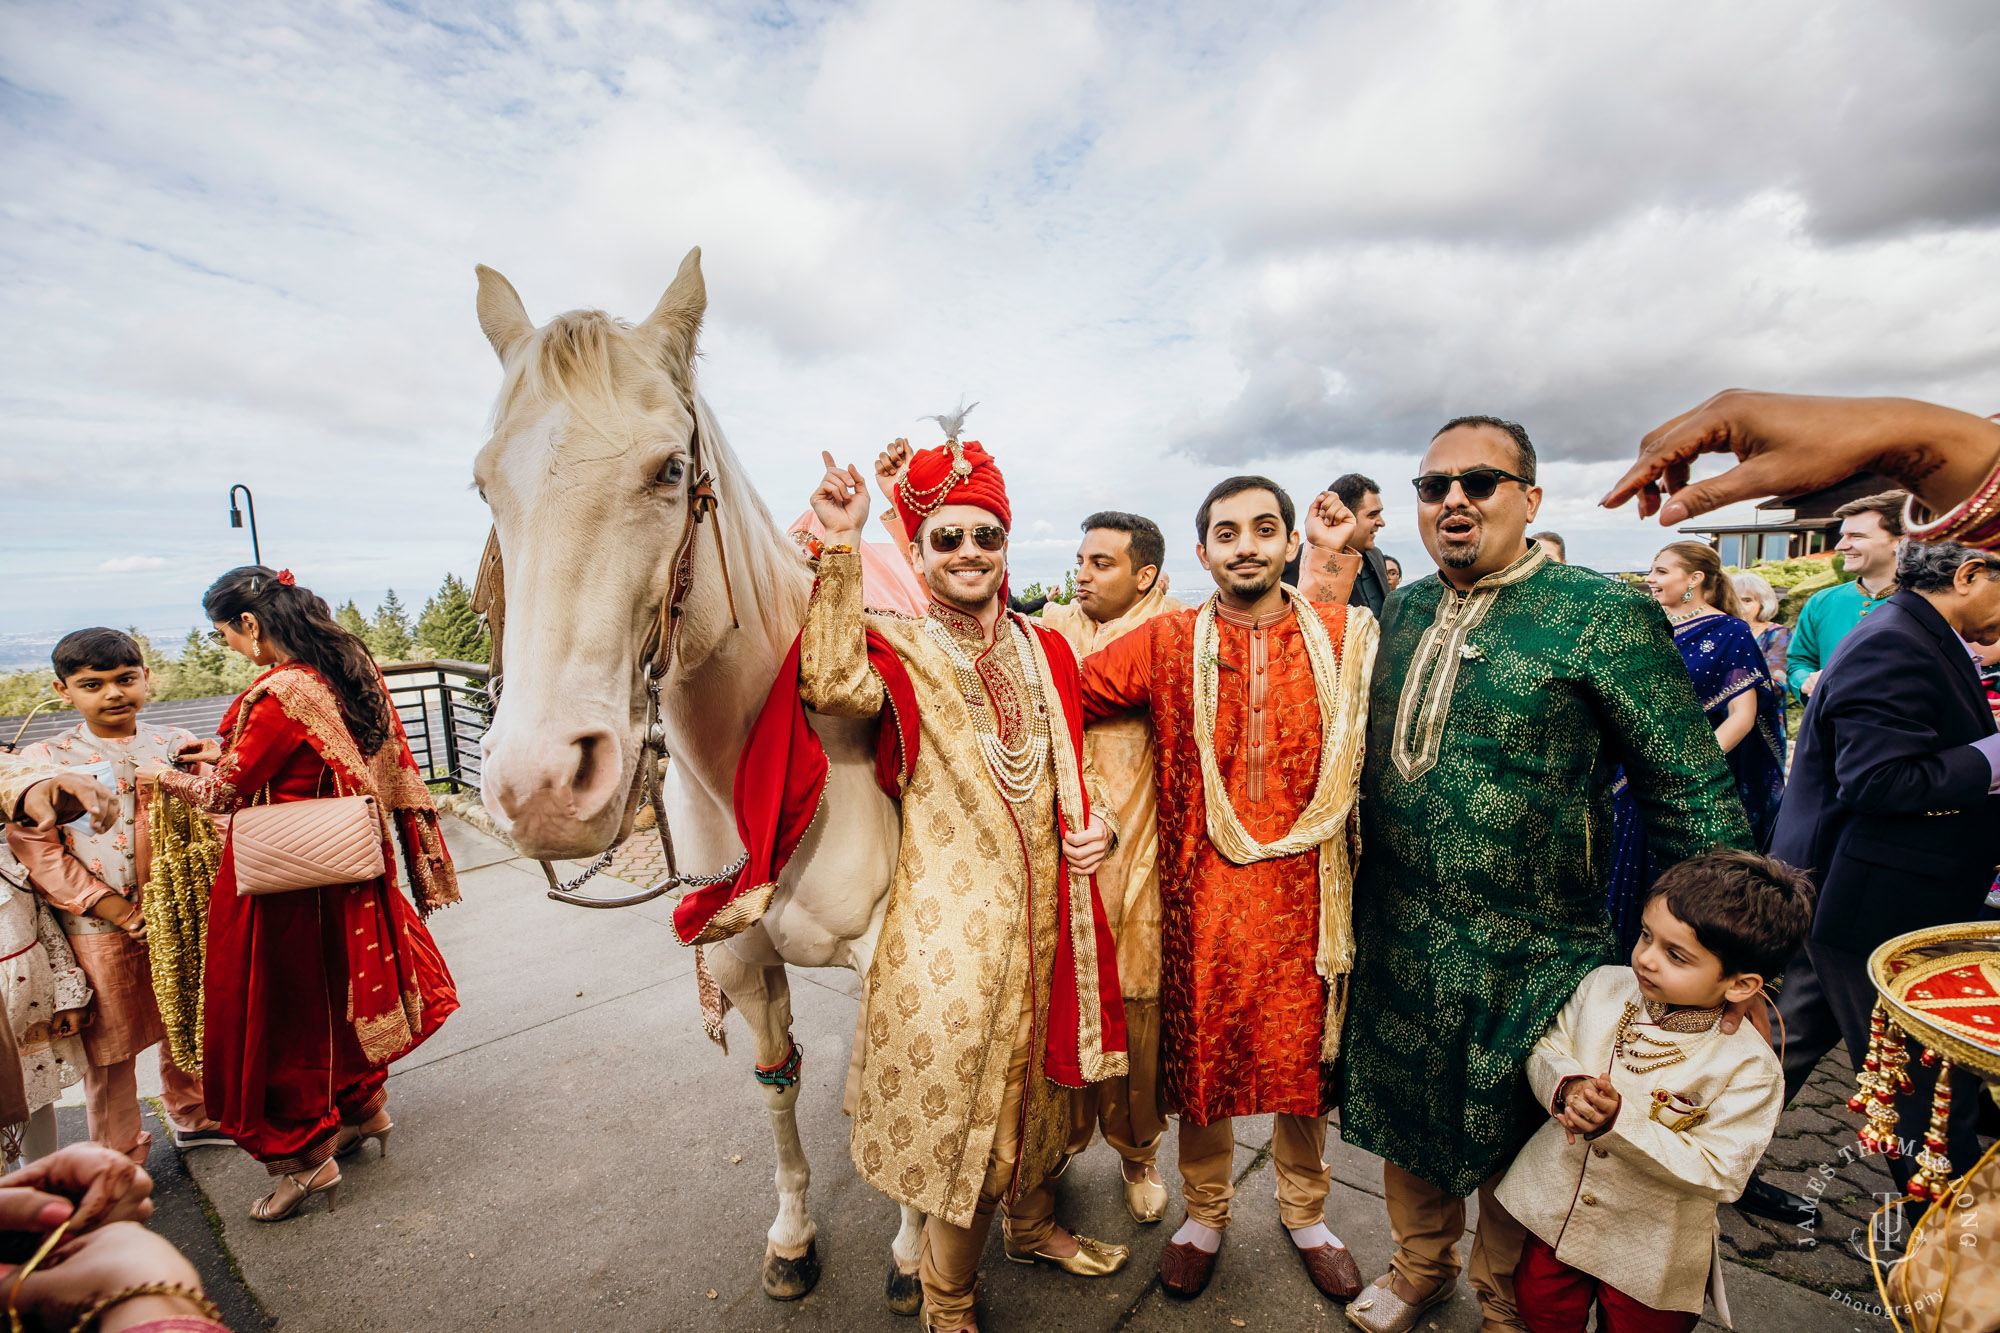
point(1119, 750)
point(1635, 1206)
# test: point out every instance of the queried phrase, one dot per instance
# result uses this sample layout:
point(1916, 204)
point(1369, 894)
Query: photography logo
point(1887, 1230)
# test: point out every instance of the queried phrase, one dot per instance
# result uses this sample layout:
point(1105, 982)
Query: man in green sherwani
point(1507, 692)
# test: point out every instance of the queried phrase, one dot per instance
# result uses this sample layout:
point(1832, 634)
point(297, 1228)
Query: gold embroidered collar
point(1433, 669)
point(961, 624)
point(1682, 1018)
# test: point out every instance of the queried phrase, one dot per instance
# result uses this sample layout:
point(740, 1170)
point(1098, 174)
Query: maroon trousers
point(1554, 1298)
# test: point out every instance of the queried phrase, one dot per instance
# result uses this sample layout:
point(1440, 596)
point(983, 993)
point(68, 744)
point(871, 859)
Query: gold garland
point(186, 854)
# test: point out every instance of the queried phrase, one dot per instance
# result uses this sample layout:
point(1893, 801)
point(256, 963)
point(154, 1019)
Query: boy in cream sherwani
point(1656, 1113)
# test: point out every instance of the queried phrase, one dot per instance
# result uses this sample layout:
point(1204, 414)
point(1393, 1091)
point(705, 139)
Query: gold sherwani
point(959, 956)
point(1119, 750)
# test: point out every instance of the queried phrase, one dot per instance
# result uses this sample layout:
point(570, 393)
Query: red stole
point(1062, 1057)
point(779, 781)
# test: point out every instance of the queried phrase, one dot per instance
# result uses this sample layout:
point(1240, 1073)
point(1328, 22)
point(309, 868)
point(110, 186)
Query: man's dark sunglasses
point(988, 537)
point(1478, 484)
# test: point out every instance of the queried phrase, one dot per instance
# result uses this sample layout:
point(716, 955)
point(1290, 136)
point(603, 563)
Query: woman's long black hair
point(300, 622)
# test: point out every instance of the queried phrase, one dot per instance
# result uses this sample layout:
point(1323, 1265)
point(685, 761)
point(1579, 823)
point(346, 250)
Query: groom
point(994, 988)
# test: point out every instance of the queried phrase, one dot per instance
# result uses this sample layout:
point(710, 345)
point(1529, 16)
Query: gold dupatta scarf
point(1340, 686)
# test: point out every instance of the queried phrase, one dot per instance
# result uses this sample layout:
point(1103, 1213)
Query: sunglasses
point(1478, 484)
point(988, 537)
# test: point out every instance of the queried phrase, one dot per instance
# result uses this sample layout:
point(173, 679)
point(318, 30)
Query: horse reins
point(662, 645)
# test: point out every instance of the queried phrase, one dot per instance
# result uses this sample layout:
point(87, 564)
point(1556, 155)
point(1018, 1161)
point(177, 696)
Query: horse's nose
point(556, 790)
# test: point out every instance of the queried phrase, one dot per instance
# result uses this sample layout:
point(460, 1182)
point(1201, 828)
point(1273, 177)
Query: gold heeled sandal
point(347, 1140)
point(267, 1209)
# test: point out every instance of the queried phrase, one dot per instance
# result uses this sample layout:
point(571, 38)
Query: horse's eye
point(671, 471)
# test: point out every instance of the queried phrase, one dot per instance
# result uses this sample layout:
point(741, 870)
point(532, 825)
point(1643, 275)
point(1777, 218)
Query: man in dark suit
point(1371, 583)
point(1892, 809)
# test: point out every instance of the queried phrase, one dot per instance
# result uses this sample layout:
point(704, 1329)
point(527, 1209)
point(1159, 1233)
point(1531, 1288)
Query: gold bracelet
point(837, 548)
point(188, 1294)
point(1965, 519)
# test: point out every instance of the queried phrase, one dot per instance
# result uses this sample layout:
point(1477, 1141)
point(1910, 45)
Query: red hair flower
point(285, 578)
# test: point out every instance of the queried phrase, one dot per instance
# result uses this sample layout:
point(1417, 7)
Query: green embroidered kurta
point(1496, 722)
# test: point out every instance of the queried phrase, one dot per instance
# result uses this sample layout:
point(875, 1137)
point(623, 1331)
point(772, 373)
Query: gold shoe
point(1093, 1258)
point(1146, 1197)
point(1380, 1310)
point(269, 1209)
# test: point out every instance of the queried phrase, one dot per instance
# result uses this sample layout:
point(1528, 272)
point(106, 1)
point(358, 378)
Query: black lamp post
point(236, 518)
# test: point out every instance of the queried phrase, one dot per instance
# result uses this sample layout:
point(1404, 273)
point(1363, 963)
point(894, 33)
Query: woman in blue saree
point(1733, 685)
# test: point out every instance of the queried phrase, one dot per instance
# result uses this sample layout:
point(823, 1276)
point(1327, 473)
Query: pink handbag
point(306, 844)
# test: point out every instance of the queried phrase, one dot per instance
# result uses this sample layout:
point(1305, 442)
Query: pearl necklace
point(1017, 769)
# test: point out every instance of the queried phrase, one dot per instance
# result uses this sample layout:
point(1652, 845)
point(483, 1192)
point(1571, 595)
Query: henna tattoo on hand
point(1911, 464)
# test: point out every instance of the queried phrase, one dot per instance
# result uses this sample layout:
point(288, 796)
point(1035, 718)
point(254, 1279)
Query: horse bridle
point(662, 644)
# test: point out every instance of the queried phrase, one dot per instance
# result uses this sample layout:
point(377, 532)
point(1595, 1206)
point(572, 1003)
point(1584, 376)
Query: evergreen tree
point(389, 636)
point(350, 618)
point(449, 627)
point(204, 670)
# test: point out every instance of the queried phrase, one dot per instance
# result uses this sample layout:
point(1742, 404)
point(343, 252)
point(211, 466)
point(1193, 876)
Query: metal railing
point(445, 712)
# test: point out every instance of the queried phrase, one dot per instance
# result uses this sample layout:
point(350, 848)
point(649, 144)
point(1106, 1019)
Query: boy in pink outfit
point(94, 882)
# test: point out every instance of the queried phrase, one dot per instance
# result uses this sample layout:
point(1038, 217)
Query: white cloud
point(1156, 241)
point(134, 564)
point(1377, 344)
point(927, 91)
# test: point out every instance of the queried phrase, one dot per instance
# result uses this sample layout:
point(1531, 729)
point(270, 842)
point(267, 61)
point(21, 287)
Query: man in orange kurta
point(1249, 1022)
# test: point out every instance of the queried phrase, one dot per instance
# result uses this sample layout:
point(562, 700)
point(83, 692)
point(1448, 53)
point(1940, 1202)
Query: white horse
point(588, 473)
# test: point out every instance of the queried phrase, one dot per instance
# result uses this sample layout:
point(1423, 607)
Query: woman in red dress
point(308, 995)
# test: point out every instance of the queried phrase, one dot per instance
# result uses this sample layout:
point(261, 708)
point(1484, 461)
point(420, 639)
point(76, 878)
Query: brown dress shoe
point(1333, 1270)
point(1185, 1269)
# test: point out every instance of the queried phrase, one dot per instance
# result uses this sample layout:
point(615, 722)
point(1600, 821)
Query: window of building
point(1730, 548)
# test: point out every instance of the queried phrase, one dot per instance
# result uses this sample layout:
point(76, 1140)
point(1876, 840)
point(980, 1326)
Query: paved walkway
point(572, 1154)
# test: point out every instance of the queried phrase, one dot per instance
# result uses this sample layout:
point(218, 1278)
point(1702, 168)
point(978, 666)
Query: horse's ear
point(501, 313)
point(676, 320)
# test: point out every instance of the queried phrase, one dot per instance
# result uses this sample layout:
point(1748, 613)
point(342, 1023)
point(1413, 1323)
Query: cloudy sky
point(1156, 241)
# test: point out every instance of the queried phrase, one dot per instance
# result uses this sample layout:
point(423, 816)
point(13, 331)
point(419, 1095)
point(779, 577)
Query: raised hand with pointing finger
point(840, 502)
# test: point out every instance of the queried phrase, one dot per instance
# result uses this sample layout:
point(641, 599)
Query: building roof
point(1820, 504)
point(201, 716)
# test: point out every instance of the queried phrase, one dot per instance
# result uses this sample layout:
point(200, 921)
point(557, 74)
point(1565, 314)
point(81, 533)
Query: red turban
point(951, 474)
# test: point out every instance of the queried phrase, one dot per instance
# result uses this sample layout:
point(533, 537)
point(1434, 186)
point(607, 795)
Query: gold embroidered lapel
point(1433, 672)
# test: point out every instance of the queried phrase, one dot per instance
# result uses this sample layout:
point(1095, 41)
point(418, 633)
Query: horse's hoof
point(904, 1291)
point(790, 1279)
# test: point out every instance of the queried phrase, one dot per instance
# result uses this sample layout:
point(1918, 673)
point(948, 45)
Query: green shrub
point(20, 691)
point(1063, 595)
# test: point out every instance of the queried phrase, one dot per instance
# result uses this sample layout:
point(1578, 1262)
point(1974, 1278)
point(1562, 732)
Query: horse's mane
point(772, 566)
point(582, 358)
